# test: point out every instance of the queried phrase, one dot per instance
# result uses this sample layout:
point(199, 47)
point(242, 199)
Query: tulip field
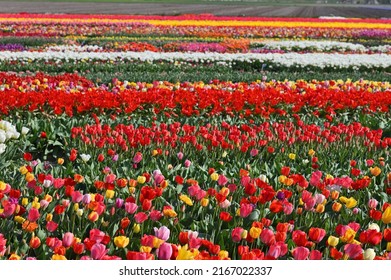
point(194, 137)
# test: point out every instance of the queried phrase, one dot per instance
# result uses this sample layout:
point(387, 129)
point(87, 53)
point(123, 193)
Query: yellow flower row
point(231, 23)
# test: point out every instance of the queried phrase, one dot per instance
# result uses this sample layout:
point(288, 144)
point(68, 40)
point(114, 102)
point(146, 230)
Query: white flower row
point(320, 46)
point(321, 60)
point(8, 131)
point(311, 45)
point(74, 48)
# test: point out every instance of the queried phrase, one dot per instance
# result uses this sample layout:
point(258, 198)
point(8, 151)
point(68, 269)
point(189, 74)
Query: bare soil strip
point(175, 9)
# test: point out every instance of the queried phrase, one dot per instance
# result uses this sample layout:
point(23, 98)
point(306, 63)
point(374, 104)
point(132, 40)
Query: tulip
point(222, 180)
point(67, 239)
point(98, 251)
point(353, 250)
point(34, 243)
point(316, 234)
point(165, 251)
point(58, 257)
point(333, 241)
point(162, 233)
point(372, 203)
point(386, 217)
point(137, 158)
point(187, 163)
point(255, 232)
point(267, 237)
point(369, 254)
point(186, 199)
point(140, 217)
point(214, 176)
point(93, 216)
point(237, 234)
point(245, 210)
point(300, 253)
point(315, 255)
point(33, 215)
point(121, 241)
point(130, 207)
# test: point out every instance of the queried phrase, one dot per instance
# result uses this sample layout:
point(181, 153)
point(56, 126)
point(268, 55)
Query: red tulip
point(316, 234)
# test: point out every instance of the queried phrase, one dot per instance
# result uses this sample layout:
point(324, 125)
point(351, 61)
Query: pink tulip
point(97, 235)
point(253, 152)
point(3, 242)
point(237, 234)
point(187, 163)
point(315, 178)
point(130, 207)
point(192, 190)
point(162, 233)
point(137, 158)
point(300, 253)
point(164, 252)
point(86, 198)
point(140, 217)
point(77, 197)
point(98, 251)
point(85, 258)
point(353, 250)
point(315, 255)
point(195, 243)
point(180, 155)
point(155, 215)
point(245, 181)
point(354, 226)
point(245, 210)
point(372, 203)
point(110, 178)
point(9, 209)
point(274, 251)
point(51, 226)
point(158, 179)
point(33, 215)
point(222, 180)
point(67, 240)
point(267, 237)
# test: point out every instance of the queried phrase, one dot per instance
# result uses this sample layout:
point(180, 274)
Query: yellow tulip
point(19, 219)
point(57, 257)
point(29, 177)
point(185, 254)
point(204, 202)
point(388, 247)
point(141, 179)
point(349, 235)
point(25, 201)
point(145, 249)
point(311, 152)
point(157, 242)
point(136, 228)
point(375, 171)
point(214, 176)
point(23, 170)
point(255, 232)
point(186, 199)
point(292, 156)
point(109, 194)
point(60, 161)
point(223, 254)
point(121, 241)
point(333, 241)
point(386, 217)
